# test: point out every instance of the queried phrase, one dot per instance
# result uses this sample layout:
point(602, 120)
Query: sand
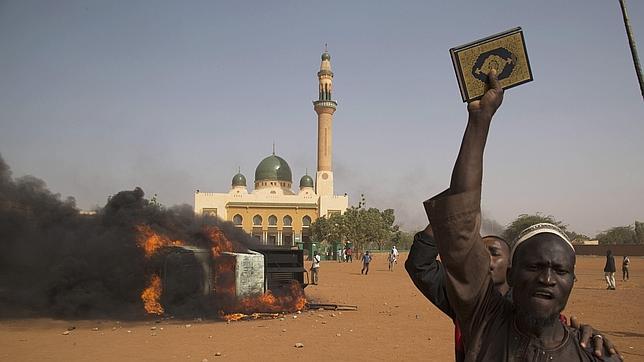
point(393, 322)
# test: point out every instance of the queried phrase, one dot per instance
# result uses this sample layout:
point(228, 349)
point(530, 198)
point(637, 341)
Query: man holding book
point(541, 273)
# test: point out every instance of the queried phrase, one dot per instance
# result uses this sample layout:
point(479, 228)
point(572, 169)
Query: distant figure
point(366, 259)
point(625, 263)
point(609, 270)
point(340, 254)
point(349, 254)
point(393, 258)
point(315, 267)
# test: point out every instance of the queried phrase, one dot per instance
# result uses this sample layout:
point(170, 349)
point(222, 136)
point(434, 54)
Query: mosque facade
point(272, 212)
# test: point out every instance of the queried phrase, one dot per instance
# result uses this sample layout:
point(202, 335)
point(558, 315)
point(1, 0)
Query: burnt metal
point(186, 278)
point(331, 306)
point(282, 267)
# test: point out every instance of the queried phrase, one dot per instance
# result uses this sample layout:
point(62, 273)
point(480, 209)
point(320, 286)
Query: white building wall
point(333, 202)
point(212, 200)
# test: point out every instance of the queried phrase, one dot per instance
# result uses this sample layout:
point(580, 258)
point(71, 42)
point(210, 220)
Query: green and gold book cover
point(505, 52)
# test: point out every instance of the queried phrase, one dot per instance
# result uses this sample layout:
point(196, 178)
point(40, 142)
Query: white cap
point(539, 228)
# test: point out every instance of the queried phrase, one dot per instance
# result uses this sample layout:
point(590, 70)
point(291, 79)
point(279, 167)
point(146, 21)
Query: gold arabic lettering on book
point(504, 52)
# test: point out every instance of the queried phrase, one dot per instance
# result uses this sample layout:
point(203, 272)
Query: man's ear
point(508, 276)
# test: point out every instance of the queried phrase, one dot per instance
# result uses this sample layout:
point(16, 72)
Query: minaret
point(325, 107)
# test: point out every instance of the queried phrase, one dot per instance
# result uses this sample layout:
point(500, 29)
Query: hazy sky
point(101, 96)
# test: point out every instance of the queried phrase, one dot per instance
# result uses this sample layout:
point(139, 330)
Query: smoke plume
point(55, 261)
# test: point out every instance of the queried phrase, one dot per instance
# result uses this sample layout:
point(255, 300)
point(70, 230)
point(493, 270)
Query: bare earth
point(393, 322)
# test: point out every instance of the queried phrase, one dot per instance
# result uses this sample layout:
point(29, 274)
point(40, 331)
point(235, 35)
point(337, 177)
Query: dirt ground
point(393, 322)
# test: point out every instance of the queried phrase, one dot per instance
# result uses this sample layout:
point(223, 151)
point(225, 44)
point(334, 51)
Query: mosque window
point(237, 220)
point(272, 220)
point(306, 221)
point(288, 221)
point(257, 220)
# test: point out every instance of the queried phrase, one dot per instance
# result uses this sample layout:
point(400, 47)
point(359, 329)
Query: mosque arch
point(237, 220)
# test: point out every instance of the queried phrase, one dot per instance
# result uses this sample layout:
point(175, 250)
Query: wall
point(620, 250)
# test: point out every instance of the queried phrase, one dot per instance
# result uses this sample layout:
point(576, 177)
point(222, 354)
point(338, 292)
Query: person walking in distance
point(625, 263)
point(393, 258)
point(315, 267)
point(366, 259)
point(609, 270)
point(349, 253)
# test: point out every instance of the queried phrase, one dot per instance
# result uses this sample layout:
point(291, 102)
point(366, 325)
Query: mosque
point(272, 212)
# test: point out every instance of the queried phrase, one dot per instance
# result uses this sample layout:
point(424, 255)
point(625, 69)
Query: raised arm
point(427, 272)
point(468, 170)
point(455, 214)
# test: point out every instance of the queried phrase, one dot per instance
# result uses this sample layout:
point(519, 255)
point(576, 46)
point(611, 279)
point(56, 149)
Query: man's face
point(542, 277)
point(499, 258)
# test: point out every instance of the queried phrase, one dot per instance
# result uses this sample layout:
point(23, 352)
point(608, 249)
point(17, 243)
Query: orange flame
point(150, 296)
point(291, 301)
point(219, 242)
point(233, 317)
point(151, 241)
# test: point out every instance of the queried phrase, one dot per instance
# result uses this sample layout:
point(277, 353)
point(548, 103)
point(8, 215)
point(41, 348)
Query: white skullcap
point(539, 228)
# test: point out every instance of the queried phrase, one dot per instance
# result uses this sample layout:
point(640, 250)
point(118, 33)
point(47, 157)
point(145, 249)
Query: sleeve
point(456, 222)
point(427, 272)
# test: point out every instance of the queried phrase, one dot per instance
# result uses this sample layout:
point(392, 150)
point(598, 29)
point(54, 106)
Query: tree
point(327, 230)
point(574, 237)
point(367, 227)
point(361, 226)
point(618, 235)
point(402, 240)
point(524, 220)
point(639, 232)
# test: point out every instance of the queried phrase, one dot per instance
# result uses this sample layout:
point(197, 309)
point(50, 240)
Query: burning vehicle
point(231, 281)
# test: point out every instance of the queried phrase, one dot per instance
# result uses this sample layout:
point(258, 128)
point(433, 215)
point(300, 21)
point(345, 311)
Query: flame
point(150, 296)
point(233, 316)
point(225, 277)
point(219, 242)
point(151, 241)
point(267, 305)
point(292, 300)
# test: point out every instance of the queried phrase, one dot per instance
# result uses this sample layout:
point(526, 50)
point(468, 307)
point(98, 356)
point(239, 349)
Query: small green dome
point(326, 56)
point(273, 168)
point(239, 180)
point(306, 181)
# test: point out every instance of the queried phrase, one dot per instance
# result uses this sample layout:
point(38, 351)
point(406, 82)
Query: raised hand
point(485, 108)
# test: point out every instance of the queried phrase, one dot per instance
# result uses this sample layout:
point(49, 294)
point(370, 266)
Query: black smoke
point(57, 262)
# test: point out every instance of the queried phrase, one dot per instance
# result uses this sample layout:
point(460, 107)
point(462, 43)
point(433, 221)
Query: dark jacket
point(427, 272)
point(610, 264)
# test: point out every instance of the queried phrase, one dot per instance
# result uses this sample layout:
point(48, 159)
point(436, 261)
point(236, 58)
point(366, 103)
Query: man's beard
point(534, 322)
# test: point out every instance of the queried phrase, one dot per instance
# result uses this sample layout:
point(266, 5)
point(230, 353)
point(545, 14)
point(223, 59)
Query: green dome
point(306, 181)
point(273, 168)
point(239, 180)
point(326, 56)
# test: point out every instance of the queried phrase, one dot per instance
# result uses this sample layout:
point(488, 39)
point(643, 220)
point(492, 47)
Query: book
point(505, 52)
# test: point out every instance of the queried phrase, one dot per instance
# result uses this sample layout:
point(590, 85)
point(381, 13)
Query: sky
point(174, 96)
